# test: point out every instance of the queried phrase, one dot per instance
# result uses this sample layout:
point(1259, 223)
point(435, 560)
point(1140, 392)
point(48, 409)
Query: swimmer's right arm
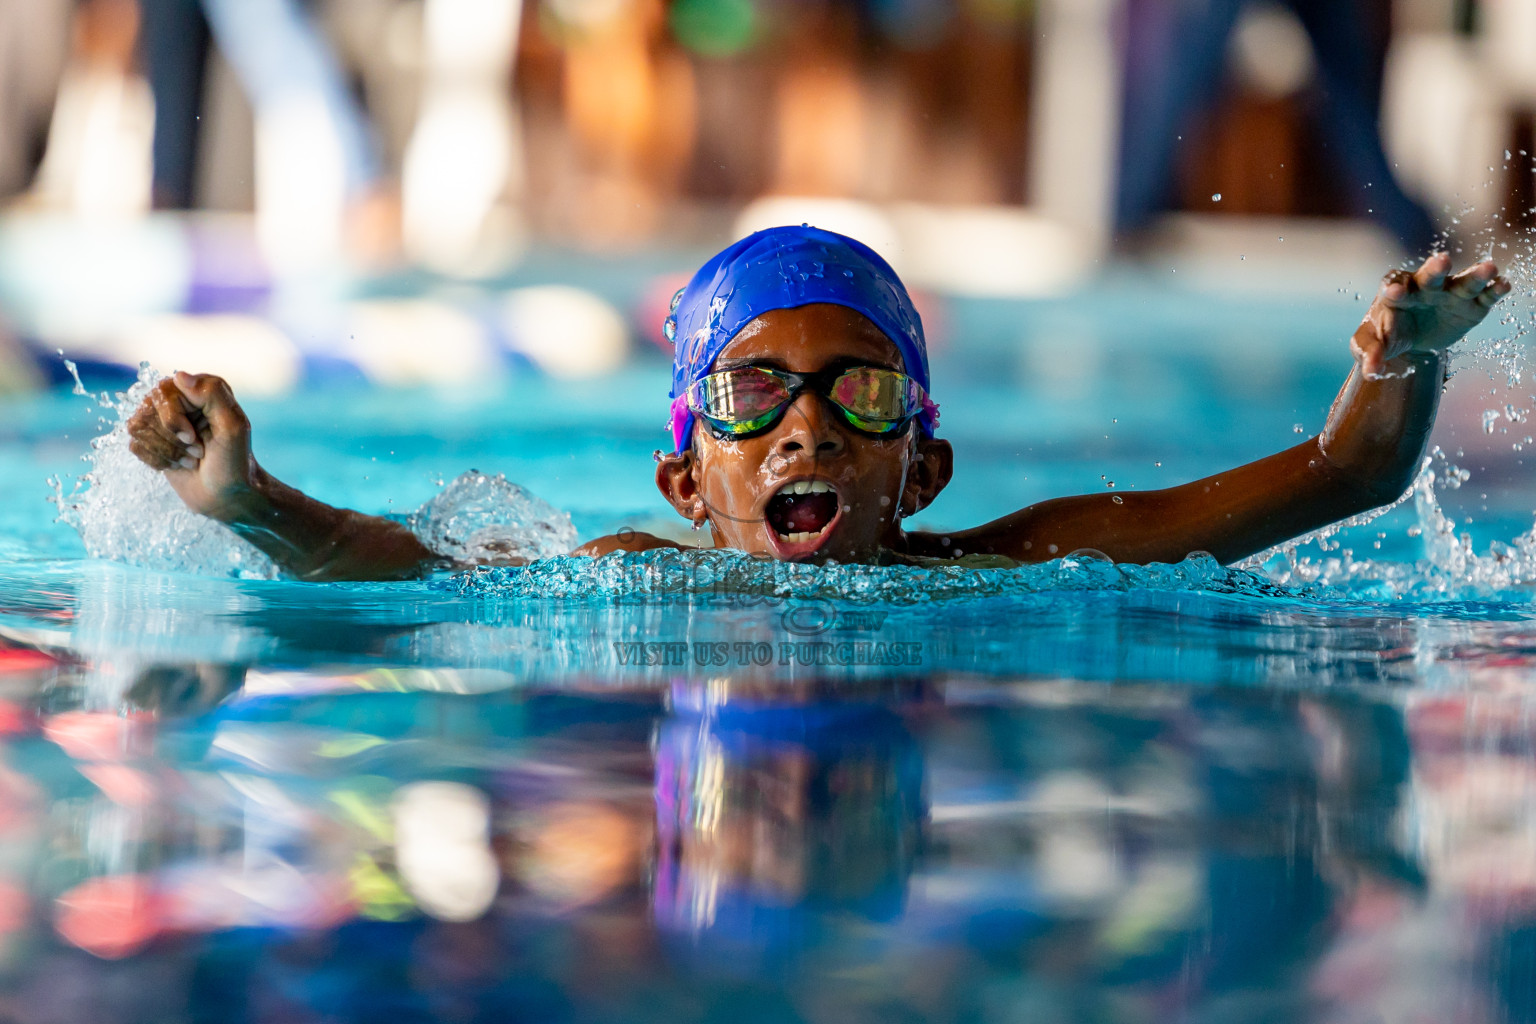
point(191, 428)
point(1365, 457)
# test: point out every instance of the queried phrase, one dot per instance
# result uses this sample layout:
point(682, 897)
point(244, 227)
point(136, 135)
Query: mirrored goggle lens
point(738, 401)
point(876, 400)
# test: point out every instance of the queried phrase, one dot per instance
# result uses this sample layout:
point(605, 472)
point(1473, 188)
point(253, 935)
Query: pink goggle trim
point(680, 423)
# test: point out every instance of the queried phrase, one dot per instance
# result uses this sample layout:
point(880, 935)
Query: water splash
point(736, 577)
point(1450, 570)
point(74, 371)
point(126, 512)
point(487, 518)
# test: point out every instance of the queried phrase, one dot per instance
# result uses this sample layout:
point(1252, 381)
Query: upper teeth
point(808, 487)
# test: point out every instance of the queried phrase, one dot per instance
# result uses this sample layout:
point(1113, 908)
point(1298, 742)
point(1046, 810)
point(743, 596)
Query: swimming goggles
point(748, 400)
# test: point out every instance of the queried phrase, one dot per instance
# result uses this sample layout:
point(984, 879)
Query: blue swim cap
point(782, 268)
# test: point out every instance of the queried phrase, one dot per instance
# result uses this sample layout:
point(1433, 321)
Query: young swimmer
point(802, 430)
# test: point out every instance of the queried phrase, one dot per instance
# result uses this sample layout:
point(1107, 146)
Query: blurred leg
point(175, 47)
point(465, 149)
point(279, 54)
point(34, 39)
point(1176, 52)
point(1350, 74)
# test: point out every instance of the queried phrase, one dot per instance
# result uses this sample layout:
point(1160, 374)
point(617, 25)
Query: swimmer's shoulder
point(623, 542)
point(966, 561)
point(930, 551)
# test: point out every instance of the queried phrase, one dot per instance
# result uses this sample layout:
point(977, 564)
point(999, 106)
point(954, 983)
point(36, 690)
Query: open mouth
point(802, 510)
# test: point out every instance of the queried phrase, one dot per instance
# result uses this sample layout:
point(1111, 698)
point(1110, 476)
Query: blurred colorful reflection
point(312, 846)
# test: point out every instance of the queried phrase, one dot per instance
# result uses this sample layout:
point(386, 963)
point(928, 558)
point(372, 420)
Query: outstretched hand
point(1427, 310)
point(191, 428)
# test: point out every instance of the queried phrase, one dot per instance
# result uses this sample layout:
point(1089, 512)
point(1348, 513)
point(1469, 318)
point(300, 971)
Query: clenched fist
point(191, 428)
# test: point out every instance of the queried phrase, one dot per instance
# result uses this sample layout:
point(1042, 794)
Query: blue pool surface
point(698, 788)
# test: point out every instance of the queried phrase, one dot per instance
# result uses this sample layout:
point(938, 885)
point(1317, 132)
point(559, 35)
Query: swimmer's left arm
point(1366, 456)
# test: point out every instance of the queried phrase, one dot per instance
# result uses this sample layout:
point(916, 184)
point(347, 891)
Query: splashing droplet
point(487, 518)
point(74, 371)
point(1216, 198)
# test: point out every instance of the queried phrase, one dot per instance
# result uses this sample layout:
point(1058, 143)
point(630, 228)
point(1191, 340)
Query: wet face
point(811, 488)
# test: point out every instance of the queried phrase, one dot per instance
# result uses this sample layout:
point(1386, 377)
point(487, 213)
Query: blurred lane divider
point(252, 354)
point(403, 342)
point(980, 251)
point(565, 331)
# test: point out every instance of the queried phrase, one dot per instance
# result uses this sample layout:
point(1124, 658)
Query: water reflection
point(786, 816)
point(271, 844)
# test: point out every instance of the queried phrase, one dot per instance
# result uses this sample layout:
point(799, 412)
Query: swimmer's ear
point(675, 479)
point(933, 463)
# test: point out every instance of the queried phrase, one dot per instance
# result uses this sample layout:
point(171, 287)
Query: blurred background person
point(463, 166)
point(1322, 56)
point(628, 111)
point(361, 155)
point(315, 158)
point(34, 41)
point(96, 164)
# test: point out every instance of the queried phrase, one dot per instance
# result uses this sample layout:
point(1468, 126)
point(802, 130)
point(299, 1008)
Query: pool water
point(696, 787)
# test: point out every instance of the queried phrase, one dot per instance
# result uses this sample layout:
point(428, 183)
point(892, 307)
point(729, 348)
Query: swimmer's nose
point(808, 428)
